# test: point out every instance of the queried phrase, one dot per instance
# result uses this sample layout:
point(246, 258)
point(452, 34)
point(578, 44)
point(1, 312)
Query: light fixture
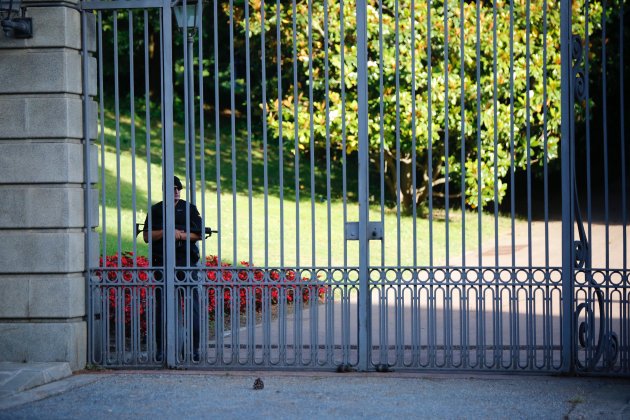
point(188, 16)
point(192, 20)
point(13, 20)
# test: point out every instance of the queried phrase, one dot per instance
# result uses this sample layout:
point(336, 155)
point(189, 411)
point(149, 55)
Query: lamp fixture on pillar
point(192, 20)
point(188, 16)
point(13, 20)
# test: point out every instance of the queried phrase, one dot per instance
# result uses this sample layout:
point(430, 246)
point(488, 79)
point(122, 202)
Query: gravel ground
point(312, 395)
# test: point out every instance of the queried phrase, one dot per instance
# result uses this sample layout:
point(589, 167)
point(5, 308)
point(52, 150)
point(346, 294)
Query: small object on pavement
point(258, 384)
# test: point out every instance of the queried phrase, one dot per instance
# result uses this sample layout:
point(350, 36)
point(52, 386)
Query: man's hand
point(180, 235)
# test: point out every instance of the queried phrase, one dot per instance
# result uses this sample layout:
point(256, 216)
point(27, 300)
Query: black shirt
point(180, 223)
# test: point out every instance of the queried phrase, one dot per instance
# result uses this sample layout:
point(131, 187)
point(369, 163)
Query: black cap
point(178, 183)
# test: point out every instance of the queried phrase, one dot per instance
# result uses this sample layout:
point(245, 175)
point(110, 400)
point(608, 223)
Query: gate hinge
point(375, 231)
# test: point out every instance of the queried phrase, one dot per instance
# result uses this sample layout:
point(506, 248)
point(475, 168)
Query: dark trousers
point(160, 314)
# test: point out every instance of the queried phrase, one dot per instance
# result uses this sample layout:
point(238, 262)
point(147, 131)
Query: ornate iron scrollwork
point(605, 346)
point(579, 79)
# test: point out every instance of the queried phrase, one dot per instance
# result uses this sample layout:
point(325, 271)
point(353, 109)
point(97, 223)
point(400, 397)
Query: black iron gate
point(380, 185)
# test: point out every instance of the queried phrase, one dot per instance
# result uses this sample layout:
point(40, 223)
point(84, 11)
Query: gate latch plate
point(375, 231)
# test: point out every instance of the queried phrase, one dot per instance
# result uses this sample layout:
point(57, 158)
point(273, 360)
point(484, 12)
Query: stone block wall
point(42, 184)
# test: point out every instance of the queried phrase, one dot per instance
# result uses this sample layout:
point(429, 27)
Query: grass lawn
point(265, 229)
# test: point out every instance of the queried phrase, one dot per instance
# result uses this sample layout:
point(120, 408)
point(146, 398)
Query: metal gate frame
point(575, 253)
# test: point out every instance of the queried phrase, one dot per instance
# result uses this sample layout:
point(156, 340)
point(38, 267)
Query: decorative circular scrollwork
point(601, 346)
point(576, 48)
point(579, 83)
point(611, 350)
point(580, 254)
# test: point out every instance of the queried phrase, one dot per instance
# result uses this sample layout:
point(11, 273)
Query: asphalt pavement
point(306, 395)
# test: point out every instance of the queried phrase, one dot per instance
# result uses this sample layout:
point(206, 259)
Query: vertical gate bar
point(480, 315)
point(567, 196)
point(430, 131)
point(189, 127)
point(545, 143)
point(495, 105)
point(478, 67)
point(512, 151)
point(101, 107)
point(398, 182)
point(168, 168)
point(119, 323)
point(296, 138)
point(235, 304)
point(233, 137)
point(328, 323)
point(187, 53)
point(382, 125)
point(202, 295)
point(529, 323)
point(465, 296)
point(622, 132)
point(202, 145)
point(147, 132)
point(297, 332)
point(103, 199)
point(624, 314)
point(587, 76)
point(117, 116)
point(249, 129)
point(132, 127)
point(462, 96)
point(547, 313)
point(364, 260)
point(219, 291)
point(314, 324)
point(312, 129)
point(446, 135)
point(326, 95)
point(191, 176)
point(414, 187)
point(217, 154)
point(345, 306)
point(430, 315)
point(605, 132)
point(397, 291)
point(267, 321)
point(135, 301)
point(264, 130)
point(448, 330)
point(87, 193)
point(344, 186)
point(528, 134)
point(280, 136)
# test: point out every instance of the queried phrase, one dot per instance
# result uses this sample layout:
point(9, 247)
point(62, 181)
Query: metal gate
point(369, 185)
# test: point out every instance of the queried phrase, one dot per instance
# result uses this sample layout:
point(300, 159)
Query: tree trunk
point(155, 64)
point(406, 194)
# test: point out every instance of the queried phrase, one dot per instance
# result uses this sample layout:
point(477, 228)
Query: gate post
point(566, 158)
point(364, 212)
point(42, 221)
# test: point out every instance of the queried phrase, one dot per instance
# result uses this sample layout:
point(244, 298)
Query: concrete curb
point(18, 377)
point(47, 390)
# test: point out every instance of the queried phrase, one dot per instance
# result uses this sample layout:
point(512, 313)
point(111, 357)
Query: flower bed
point(223, 280)
point(281, 284)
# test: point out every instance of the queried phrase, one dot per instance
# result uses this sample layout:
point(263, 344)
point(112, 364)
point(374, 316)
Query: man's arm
point(180, 235)
point(156, 235)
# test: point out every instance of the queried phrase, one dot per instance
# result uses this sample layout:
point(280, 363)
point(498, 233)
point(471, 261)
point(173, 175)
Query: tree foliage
point(458, 90)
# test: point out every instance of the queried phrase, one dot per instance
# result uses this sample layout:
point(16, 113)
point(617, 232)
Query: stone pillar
point(42, 188)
